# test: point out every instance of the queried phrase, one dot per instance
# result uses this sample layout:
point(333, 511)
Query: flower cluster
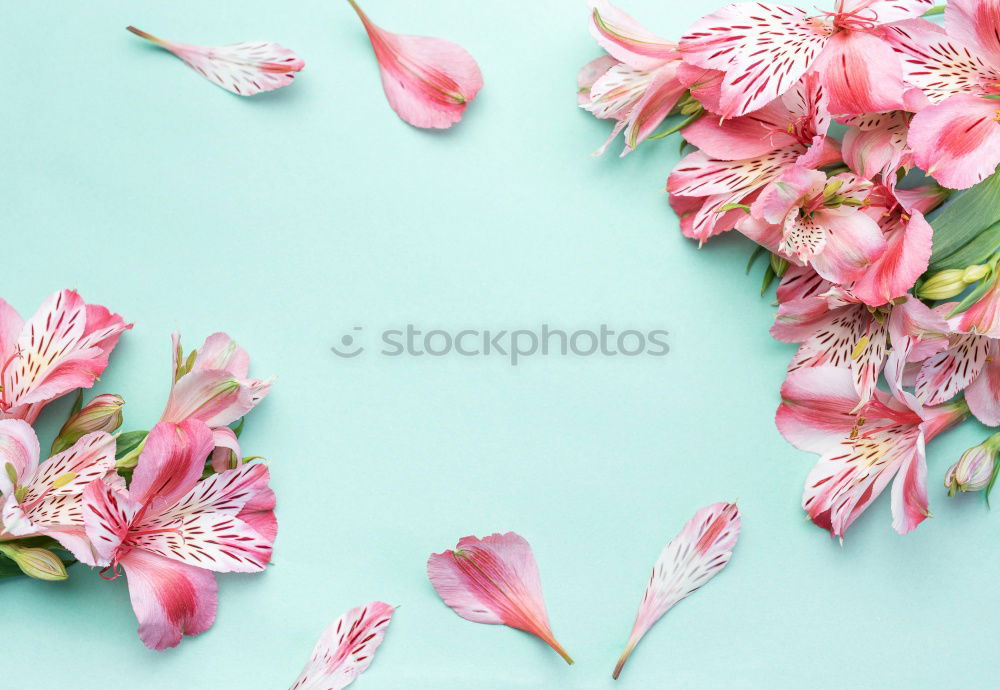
point(755, 90)
point(168, 507)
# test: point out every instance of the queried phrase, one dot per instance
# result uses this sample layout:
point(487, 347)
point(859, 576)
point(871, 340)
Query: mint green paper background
point(289, 218)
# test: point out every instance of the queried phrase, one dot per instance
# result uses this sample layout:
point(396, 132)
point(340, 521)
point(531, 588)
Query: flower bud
point(974, 470)
point(952, 281)
point(40, 564)
point(103, 413)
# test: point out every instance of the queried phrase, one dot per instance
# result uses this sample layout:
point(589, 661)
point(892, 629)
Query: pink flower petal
point(958, 141)
point(853, 243)
point(800, 282)
point(692, 558)
point(763, 49)
point(655, 105)
point(909, 490)
point(227, 449)
point(975, 22)
point(893, 273)
point(705, 85)
point(428, 81)
point(983, 394)
point(938, 64)
point(876, 144)
point(627, 40)
point(589, 74)
point(886, 10)
point(346, 648)
point(171, 462)
point(983, 317)
point(494, 580)
point(170, 599)
point(18, 447)
point(243, 68)
point(861, 74)
point(947, 373)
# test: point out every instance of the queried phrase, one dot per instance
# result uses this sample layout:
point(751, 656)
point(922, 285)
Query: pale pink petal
point(744, 137)
point(221, 353)
point(919, 328)
point(19, 447)
point(698, 174)
point(627, 40)
point(428, 81)
point(213, 397)
point(800, 318)
point(909, 490)
point(853, 243)
point(983, 394)
point(10, 328)
point(817, 407)
point(655, 105)
point(767, 235)
point(974, 23)
point(800, 282)
point(922, 199)
point(494, 580)
point(938, 64)
point(861, 74)
point(58, 351)
point(346, 648)
point(705, 85)
point(170, 599)
point(242, 68)
point(617, 91)
point(763, 49)
point(876, 144)
point(958, 141)
point(211, 540)
point(785, 193)
point(893, 273)
point(945, 374)
point(589, 74)
point(171, 462)
point(227, 449)
point(699, 551)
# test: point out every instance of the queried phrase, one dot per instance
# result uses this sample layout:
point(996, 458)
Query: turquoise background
point(290, 218)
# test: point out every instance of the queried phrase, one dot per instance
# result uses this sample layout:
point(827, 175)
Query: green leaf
point(753, 257)
point(128, 442)
point(965, 218)
point(977, 251)
point(769, 275)
point(673, 130)
point(934, 11)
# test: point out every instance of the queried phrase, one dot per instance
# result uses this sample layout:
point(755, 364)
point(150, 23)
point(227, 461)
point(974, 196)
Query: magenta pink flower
point(169, 531)
point(699, 551)
point(429, 81)
point(957, 138)
point(765, 49)
point(494, 580)
point(862, 446)
point(243, 68)
point(64, 346)
point(47, 498)
point(346, 648)
point(637, 83)
point(739, 157)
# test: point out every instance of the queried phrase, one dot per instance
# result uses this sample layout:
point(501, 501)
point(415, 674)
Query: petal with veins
point(626, 39)
point(947, 373)
point(346, 648)
point(958, 141)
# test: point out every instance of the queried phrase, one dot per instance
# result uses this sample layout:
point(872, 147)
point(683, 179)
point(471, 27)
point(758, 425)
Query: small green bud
point(947, 283)
point(40, 564)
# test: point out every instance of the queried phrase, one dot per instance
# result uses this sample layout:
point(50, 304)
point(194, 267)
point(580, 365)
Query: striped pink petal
point(346, 648)
point(692, 558)
point(243, 68)
point(494, 580)
point(428, 81)
point(626, 39)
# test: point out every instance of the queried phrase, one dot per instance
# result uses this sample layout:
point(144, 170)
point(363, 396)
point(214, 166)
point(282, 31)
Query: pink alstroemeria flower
point(697, 554)
point(739, 157)
point(494, 580)
point(245, 69)
point(47, 498)
point(638, 86)
point(862, 446)
point(428, 81)
point(875, 146)
point(971, 362)
point(169, 531)
point(346, 648)
point(765, 49)
point(957, 138)
point(64, 346)
point(813, 219)
point(836, 328)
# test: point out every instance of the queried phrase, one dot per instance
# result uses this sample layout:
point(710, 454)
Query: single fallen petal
point(346, 648)
point(428, 81)
point(494, 580)
point(244, 68)
point(691, 559)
